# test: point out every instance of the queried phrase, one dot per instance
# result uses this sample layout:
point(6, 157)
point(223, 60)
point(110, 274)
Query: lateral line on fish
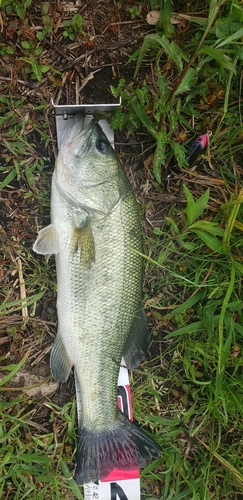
point(89, 184)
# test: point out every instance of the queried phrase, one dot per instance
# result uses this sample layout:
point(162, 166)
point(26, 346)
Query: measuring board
point(118, 485)
point(122, 485)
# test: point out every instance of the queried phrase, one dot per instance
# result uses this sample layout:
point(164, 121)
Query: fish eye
point(102, 145)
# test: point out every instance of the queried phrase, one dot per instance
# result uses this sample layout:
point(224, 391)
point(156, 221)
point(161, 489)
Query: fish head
point(88, 169)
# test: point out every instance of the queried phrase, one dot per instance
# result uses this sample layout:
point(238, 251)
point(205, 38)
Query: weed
point(200, 364)
point(162, 110)
point(134, 11)
point(47, 22)
point(75, 25)
point(16, 6)
point(30, 461)
point(22, 160)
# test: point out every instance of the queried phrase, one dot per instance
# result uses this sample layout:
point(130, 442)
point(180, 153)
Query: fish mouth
point(77, 136)
point(84, 138)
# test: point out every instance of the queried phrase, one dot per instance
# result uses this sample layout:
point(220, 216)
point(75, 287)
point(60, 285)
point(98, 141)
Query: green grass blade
point(8, 179)
point(71, 482)
point(17, 305)
point(15, 369)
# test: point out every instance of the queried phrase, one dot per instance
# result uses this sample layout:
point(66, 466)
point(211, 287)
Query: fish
point(96, 236)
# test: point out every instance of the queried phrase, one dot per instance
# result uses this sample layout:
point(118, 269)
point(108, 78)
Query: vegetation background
point(179, 73)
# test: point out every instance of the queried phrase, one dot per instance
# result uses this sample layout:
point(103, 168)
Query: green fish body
point(95, 232)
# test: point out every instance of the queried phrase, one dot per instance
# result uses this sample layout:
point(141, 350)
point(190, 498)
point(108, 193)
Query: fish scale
point(105, 316)
point(95, 232)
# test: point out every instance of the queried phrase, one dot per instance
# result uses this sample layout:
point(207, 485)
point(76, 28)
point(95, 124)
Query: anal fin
point(60, 363)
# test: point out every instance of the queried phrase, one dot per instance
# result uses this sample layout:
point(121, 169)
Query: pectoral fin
point(59, 362)
point(83, 239)
point(47, 241)
point(136, 347)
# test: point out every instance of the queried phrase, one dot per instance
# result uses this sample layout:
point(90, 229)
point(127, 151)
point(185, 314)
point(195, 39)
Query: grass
point(32, 457)
point(190, 394)
point(194, 293)
point(199, 370)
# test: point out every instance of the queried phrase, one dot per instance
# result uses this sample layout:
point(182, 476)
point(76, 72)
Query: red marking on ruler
point(117, 474)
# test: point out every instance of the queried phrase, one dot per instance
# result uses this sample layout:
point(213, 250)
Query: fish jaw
point(74, 128)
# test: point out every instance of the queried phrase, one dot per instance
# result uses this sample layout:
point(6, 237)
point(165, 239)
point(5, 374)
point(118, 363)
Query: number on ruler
point(117, 492)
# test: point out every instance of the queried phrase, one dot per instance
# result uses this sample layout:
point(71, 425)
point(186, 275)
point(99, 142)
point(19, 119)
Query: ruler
point(119, 485)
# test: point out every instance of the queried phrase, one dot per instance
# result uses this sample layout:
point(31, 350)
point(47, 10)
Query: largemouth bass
point(95, 232)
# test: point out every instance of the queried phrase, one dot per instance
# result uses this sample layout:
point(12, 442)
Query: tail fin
point(126, 447)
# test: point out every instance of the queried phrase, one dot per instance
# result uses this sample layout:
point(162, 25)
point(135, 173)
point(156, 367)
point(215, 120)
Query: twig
point(96, 49)
point(60, 90)
point(77, 88)
point(3, 340)
point(22, 290)
point(88, 78)
point(120, 23)
point(34, 85)
point(60, 52)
